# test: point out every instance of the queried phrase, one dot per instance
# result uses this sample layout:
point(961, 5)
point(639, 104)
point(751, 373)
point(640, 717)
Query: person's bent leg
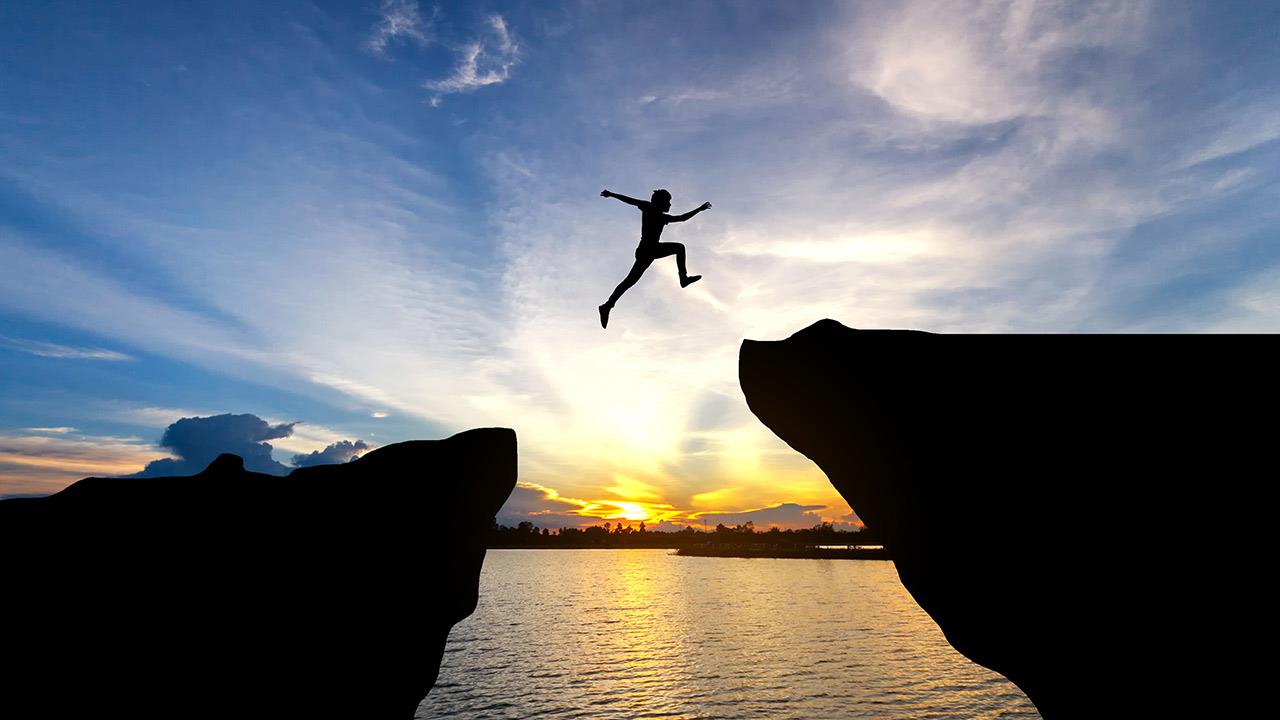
point(665, 249)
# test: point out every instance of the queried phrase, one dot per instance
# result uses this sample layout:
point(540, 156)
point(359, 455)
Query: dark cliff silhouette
point(653, 219)
point(1066, 463)
point(327, 593)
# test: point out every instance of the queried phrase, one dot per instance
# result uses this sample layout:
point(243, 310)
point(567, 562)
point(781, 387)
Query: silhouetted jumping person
point(653, 218)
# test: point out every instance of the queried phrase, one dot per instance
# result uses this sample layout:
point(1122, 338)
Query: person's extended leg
point(636, 271)
point(665, 249)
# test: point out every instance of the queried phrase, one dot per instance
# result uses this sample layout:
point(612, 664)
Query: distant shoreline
point(811, 553)
point(739, 541)
point(582, 547)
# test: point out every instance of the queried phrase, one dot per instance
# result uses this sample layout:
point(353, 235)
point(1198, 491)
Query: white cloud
point(400, 20)
point(62, 352)
point(1247, 123)
point(148, 416)
point(863, 245)
point(1255, 307)
point(35, 282)
point(485, 61)
point(982, 61)
point(308, 438)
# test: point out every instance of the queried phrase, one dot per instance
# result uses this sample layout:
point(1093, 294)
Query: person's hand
point(605, 193)
point(705, 206)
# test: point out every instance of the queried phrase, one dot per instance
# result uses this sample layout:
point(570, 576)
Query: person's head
point(661, 200)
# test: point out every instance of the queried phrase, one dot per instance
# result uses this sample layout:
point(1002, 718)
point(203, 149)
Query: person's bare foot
point(604, 316)
point(686, 282)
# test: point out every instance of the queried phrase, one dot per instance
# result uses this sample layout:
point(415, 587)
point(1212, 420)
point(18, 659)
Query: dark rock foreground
point(328, 593)
point(1081, 514)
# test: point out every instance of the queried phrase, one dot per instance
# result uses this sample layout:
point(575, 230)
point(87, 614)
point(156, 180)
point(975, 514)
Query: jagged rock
point(1073, 511)
point(328, 593)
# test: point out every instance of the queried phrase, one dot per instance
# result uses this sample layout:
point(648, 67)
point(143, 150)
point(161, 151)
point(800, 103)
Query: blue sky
point(381, 219)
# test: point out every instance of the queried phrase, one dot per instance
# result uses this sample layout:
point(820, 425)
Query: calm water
point(646, 634)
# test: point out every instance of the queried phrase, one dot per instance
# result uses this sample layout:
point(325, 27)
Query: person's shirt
point(652, 221)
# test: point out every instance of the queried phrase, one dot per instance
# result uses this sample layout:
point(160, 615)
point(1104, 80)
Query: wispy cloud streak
point(62, 352)
point(485, 61)
point(401, 20)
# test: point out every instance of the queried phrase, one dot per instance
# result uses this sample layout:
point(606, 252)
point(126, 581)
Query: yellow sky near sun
point(646, 421)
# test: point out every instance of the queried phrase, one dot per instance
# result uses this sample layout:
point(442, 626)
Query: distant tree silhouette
point(526, 535)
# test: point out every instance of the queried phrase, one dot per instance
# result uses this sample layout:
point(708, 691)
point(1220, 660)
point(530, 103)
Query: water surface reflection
point(646, 634)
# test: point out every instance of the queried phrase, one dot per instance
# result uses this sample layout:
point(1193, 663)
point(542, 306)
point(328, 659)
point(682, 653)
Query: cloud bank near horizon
point(343, 451)
point(195, 442)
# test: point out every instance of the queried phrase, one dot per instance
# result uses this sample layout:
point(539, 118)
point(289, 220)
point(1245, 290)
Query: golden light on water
point(631, 633)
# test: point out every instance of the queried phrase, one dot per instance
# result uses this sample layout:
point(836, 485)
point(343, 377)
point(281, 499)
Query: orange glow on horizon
point(593, 512)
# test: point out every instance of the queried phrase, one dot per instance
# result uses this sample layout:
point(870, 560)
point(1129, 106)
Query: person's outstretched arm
point(623, 198)
point(691, 213)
